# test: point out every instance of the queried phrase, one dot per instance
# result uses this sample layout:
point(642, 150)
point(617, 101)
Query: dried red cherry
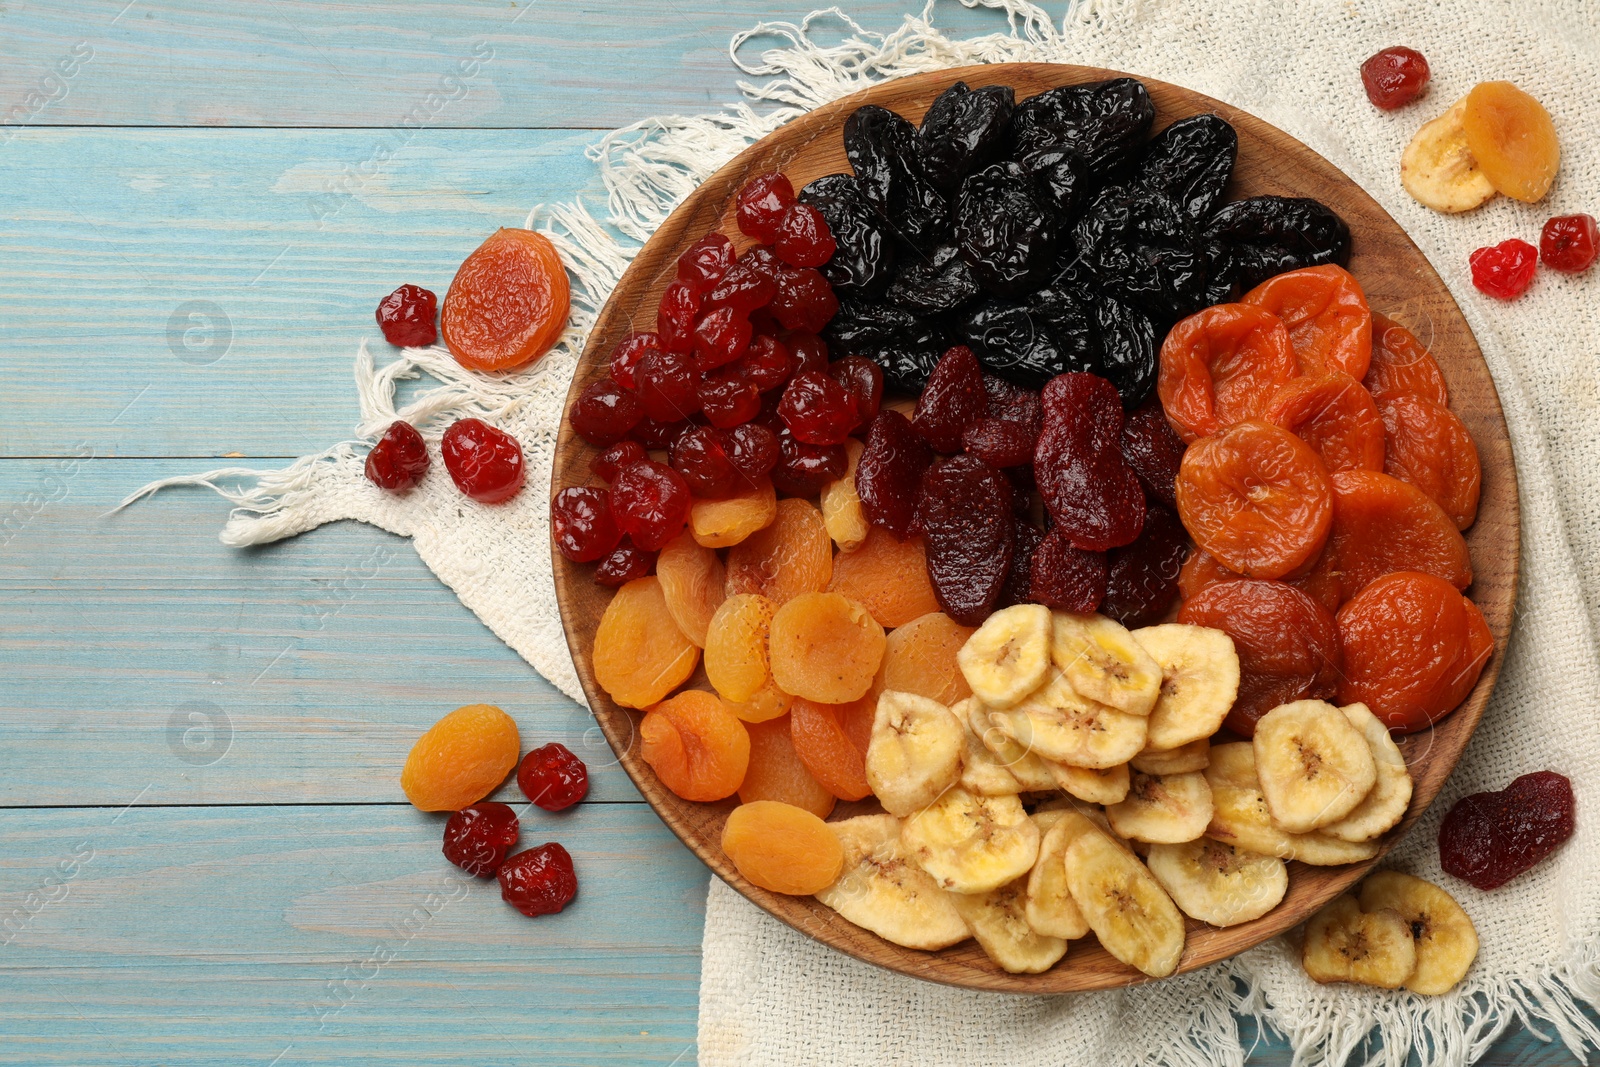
point(409, 317)
point(675, 318)
point(1394, 77)
point(863, 382)
point(803, 469)
point(999, 442)
point(965, 513)
point(704, 263)
point(607, 463)
point(1488, 839)
point(658, 434)
point(804, 300)
point(552, 777)
point(477, 838)
point(485, 463)
point(761, 205)
point(807, 351)
point(749, 284)
point(803, 238)
point(700, 455)
point(399, 459)
point(1093, 495)
point(1569, 243)
point(1154, 451)
point(629, 351)
point(1142, 578)
point(752, 449)
point(889, 473)
point(729, 400)
point(953, 398)
point(581, 522)
point(1504, 270)
point(720, 337)
point(667, 385)
point(650, 502)
point(817, 409)
point(539, 881)
point(605, 412)
point(1066, 578)
point(626, 562)
point(766, 363)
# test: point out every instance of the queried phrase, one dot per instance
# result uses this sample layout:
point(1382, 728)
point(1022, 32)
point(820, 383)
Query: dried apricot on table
point(776, 772)
point(791, 556)
point(1256, 497)
point(782, 848)
point(696, 746)
point(1221, 366)
point(1287, 643)
point(889, 577)
point(692, 583)
point(1401, 364)
point(1428, 447)
point(639, 653)
point(824, 647)
point(461, 758)
point(1513, 140)
point(1326, 314)
point(725, 522)
point(1413, 648)
point(508, 302)
point(1381, 524)
point(824, 739)
point(1335, 415)
point(920, 658)
point(736, 646)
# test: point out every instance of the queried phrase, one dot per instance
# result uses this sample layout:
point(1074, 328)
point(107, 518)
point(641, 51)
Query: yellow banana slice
point(1163, 809)
point(1103, 662)
point(1345, 944)
point(1006, 658)
point(1199, 682)
point(1058, 724)
point(1218, 883)
point(1438, 169)
point(881, 889)
point(970, 843)
point(1239, 815)
point(997, 921)
point(1191, 757)
point(1446, 941)
point(1124, 905)
point(991, 763)
point(1050, 909)
point(1313, 765)
point(1107, 785)
point(915, 752)
point(1386, 805)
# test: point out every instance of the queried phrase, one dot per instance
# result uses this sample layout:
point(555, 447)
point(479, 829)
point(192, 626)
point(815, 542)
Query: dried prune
point(965, 511)
point(884, 151)
point(889, 474)
point(1248, 241)
point(965, 130)
point(1016, 589)
point(1190, 161)
point(864, 254)
point(1143, 249)
point(952, 400)
point(933, 285)
point(1104, 122)
point(1488, 839)
point(1142, 578)
point(1014, 340)
point(1153, 450)
point(1005, 233)
point(1091, 492)
point(1060, 177)
point(1129, 357)
point(1066, 578)
point(904, 347)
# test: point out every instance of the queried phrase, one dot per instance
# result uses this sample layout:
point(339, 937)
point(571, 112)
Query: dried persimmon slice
point(1220, 366)
point(1381, 525)
point(1401, 364)
point(1256, 497)
point(1431, 449)
point(1335, 415)
point(1326, 314)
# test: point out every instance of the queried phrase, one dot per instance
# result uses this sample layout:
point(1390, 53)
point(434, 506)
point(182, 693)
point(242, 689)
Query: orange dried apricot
point(696, 746)
point(1431, 449)
point(507, 303)
point(769, 702)
point(639, 653)
point(1402, 364)
point(1513, 140)
point(792, 555)
point(1255, 497)
point(692, 583)
point(725, 522)
point(1321, 583)
point(920, 658)
point(1221, 366)
point(461, 759)
point(1335, 415)
point(736, 646)
point(889, 576)
point(825, 647)
point(1381, 524)
point(824, 742)
point(776, 773)
point(841, 504)
point(782, 848)
point(1326, 314)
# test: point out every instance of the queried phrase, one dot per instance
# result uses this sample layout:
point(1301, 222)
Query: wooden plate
point(1398, 282)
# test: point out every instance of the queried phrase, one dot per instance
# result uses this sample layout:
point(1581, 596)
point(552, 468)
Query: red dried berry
point(728, 401)
point(889, 473)
point(409, 317)
point(1093, 495)
point(1016, 590)
point(552, 777)
point(650, 502)
point(1142, 578)
point(700, 455)
point(629, 351)
point(721, 336)
point(998, 442)
point(1154, 451)
point(675, 318)
point(581, 523)
point(477, 838)
point(804, 300)
point(704, 263)
point(804, 239)
point(485, 463)
point(863, 382)
point(667, 385)
point(626, 562)
point(539, 881)
point(807, 351)
point(749, 284)
point(1504, 270)
point(1066, 578)
point(762, 202)
point(953, 399)
point(766, 363)
point(817, 409)
point(1569, 243)
point(1394, 77)
point(607, 463)
point(604, 413)
point(399, 459)
point(1488, 839)
point(752, 449)
point(1003, 400)
point(970, 532)
point(803, 469)
point(659, 434)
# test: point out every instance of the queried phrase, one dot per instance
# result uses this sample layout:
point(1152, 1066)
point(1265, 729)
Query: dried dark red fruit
point(607, 463)
point(552, 777)
point(539, 881)
point(749, 284)
point(1014, 404)
point(485, 463)
point(729, 401)
point(807, 351)
point(700, 455)
point(1394, 77)
point(626, 562)
point(953, 399)
point(752, 449)
point(817, 409)
point(803, 238)
point(762, 202)
point(803, 469)
point(999, 442)
point(477, 838)
point(1154, 451)
point(804, 300)
point(1569, 243)
point(1066, 578)
point(721, 336)
point(863, 382)
point(399, 459)
point(1142, 578)
point(766, 364)
point(1017, 588)
point(409, 317)
point(704, 263)
point(657, 434)
point(675, 318)
point(629, 351)
point(604, 413)
point(581, 523)
point(1093, 495)
point(1504, 270)
point(889, 473)
point(667, 386)
point(1488, 839)
point(965, 514)
point(650, 502)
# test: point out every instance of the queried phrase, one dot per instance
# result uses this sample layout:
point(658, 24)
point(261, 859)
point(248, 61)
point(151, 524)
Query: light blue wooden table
point(204, 857)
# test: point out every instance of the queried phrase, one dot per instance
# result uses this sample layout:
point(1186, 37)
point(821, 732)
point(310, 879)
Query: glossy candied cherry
point(485, 463)
point(409, 317)
point(675, 318)
point(720, 337)
point(625, 563)
point(613, 459)
point(749, 283)
point(766, 364)
point(729, 400)
point(604, 413)
point(477, 838)
point(1504, 270)
point(752, 449)
point(817, 409)
point(807, 351)
point(762, 203)
point(1569, 243)
point(629, 351)
point(581, 522)
point(650, 501)
point(863, 381)
point(659, 434)
point(539, 881)
point(700, 454)
point(803, 469)
point(552, 777)
point(803, 300)
point(1394, 77)
point(667, 385)
point(399, 459)
point(704, 263)
point(804, 239)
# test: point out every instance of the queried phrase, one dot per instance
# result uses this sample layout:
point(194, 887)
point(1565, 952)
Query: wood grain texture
point(1398, 280)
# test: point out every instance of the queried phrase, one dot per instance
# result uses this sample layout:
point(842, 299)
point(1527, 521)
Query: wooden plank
point(509, 63)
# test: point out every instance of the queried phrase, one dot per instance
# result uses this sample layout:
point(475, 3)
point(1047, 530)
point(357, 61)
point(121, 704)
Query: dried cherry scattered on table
point(1504, 270)
point(539, 881)
point(485, 463)
point(408, 317)
point(1569, 243)
point(965, 512)
point(1394, 77)
point(399, 460)
point(477, 837)
point(1489, 838)
point(552, 777)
